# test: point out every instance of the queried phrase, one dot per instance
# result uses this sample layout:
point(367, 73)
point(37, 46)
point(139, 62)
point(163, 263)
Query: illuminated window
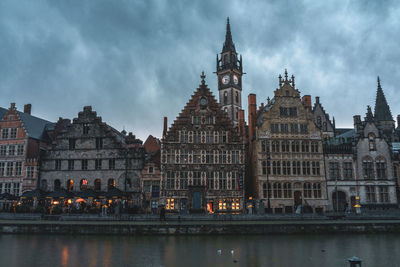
point(170, 204)
point(235, 204)
point(222, 204)
point(111, 183)
point(84, 184)
point(70, 185)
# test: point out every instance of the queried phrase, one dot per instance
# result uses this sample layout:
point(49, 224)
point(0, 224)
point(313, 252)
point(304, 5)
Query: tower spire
point(228, 45)
point(382, 110)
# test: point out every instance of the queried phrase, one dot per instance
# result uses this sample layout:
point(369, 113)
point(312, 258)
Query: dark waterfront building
point(23, 140)
point(89, 154)
point(202, 158)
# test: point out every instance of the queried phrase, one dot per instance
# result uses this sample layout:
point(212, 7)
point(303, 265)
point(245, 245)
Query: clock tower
point(229, 72)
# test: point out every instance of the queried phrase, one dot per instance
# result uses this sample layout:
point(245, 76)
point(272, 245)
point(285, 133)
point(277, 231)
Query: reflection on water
point(290, 250)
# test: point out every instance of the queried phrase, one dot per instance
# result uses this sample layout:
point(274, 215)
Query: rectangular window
point(284, 128)
point(235, 157)
point(16, 189)
point(314, 147)
point(11, 150)
point(293, 112)
point(71, 164)
point(196, 119)
point(86, 128)
point(18, 168)
point(71, 143)
point(170, 180)
point(20, 150)
point(209, 119)
point(283, 111)
point(2, 168)
point(306, 168)
point(371, 196)
point(183, 180)
point(111, 164)
point(3, 150)
point(197, 178)
point(4, 133)
point(274, 128)
point(99, 143)
point(13, 133)
point(10, 167)
point(30, 171)
point(210, 180)
point(383, 194)
point(222, 180)
point(97, 164)
point(296, 167)
point(303, 128)
point(347, 170)
point(209, 137)
point(294, 128)
point(170, 205)
point(57, 163)
point(84, 164)
point(334, 170)
point(222, 204)
point(210, 157)
point(381, 170)
point(184, 137)
point(315, 168)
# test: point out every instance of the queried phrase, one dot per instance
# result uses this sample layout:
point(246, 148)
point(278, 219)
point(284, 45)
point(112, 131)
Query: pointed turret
point(382, 110)
point(368, 116)
point(228, 45)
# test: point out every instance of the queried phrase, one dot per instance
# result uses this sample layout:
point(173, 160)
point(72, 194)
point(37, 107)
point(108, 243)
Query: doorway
point(196, 201)
point(339, 201)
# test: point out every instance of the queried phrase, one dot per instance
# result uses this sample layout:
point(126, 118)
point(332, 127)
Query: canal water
point(283, 250)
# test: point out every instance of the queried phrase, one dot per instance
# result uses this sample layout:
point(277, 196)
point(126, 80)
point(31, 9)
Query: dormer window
point(151, 170)
point(86, 128)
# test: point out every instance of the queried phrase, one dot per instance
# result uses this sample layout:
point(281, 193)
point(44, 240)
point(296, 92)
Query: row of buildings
point(289, 154)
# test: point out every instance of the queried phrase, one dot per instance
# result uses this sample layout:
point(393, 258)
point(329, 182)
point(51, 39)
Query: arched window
point(57, 184)
point(70, 185)
point(97, 184)
point(319, 121)
point(371, 141)
point(83, 184)
point(307, 190)
point(225, 98)
point(111, 183)
point(265, 190)
point(43, 184)
point(264, 167)
point(237, 97)
point(237, 113)
point(325, 127)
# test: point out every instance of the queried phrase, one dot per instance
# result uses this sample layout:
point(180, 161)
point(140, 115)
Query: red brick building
point(23, 139)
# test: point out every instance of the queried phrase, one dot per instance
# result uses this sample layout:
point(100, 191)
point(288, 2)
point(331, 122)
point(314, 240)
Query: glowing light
point(69, 201)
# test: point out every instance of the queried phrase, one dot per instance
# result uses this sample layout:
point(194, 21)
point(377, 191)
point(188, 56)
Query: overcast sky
point(137, 61)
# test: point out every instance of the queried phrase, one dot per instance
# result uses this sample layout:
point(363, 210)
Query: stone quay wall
point(197, 227)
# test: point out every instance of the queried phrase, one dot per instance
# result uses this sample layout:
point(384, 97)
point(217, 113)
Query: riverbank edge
point(197, 228)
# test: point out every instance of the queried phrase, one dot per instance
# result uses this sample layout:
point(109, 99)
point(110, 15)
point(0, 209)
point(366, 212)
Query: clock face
point(235, 79)
point(225, 79)
point(203, 101)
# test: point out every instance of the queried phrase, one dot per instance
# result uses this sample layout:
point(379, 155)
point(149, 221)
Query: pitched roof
point(382, 110)
point(35, 126)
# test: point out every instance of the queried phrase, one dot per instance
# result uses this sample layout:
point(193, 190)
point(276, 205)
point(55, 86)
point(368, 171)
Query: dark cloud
point(137, 61)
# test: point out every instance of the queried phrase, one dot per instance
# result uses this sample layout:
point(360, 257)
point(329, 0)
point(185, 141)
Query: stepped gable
point(184, 120)
point(382, 110)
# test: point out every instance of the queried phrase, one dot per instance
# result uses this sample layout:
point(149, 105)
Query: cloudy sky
point(137, 61)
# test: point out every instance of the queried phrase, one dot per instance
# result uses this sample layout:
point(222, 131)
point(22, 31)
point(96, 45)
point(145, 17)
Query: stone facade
point(88, 153)
point(288, 160)
point(321, 119)
point(202, 159)
point(23, 138)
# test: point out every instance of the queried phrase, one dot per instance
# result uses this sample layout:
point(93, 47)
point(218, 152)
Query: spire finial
point(228, 45)
point(203, 82)
point(379, 82)
point(293, 81)
point(286, 76)
point(369, 116)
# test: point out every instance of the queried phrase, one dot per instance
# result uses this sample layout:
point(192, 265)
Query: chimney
point(28, 108)
point(242, 132)
point(317, 99)
point(306, 100)
point(252, 100)
point(12, 105)
point(165, 126)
